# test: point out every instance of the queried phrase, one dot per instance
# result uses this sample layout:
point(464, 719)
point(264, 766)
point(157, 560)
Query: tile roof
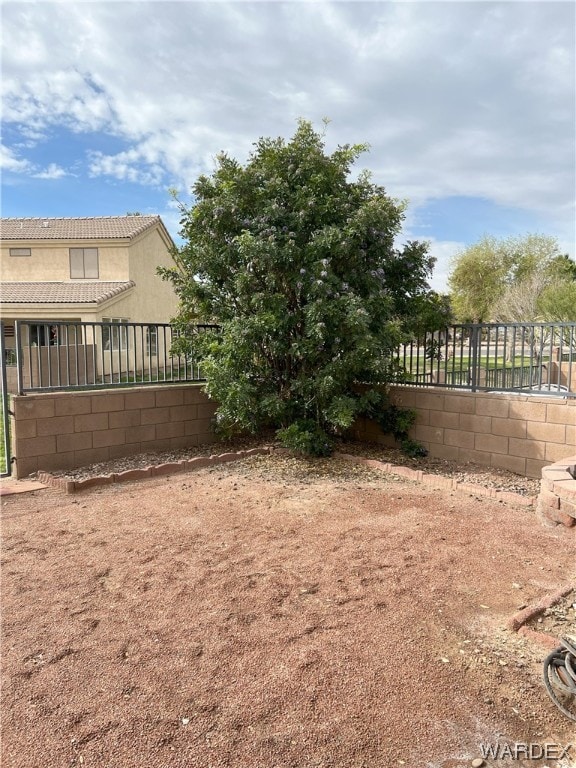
point(92, 228)
point(62, 293)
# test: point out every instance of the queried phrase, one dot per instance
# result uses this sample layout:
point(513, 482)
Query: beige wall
point(51, 261)
point(514, 432)
point(153, 299)
point(63, 430)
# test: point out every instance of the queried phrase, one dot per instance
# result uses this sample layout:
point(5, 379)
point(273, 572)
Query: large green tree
point(483, 273)
point(296, 262)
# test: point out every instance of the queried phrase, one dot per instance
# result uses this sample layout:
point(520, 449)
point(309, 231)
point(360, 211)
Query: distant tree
point(483, 273)
point(557, 302)
point(563, 268)
point(296, 262)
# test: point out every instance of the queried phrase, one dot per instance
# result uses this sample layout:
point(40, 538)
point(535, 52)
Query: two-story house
point(83, 270)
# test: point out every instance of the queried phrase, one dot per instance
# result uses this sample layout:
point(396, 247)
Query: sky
point(469, 108)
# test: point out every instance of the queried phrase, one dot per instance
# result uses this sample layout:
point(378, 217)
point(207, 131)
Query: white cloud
point(9, 161)
point(53, 171)
point(474, 99)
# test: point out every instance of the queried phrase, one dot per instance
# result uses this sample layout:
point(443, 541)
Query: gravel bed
point(488, 477)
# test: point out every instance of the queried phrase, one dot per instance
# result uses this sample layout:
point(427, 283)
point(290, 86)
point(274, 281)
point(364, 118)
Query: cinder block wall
point(63, 430)
point(514, 432)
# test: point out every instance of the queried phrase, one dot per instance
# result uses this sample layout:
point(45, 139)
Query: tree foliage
point(492, 274)
point(297, 264)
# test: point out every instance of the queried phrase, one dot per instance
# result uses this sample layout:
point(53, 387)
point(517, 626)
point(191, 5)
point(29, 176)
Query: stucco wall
point(515, 432)
point(63, 430)
point(51, 261)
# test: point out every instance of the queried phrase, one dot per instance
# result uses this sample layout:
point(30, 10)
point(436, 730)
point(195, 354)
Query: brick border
point(557, 498)
point(157, 470)
point(198, 462)
point(519, 620)
point(440, 482)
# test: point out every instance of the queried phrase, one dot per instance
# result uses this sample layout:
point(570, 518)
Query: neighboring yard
point(272, 613)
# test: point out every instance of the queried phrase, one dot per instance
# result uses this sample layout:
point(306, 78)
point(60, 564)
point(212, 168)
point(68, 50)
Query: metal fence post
point(475, 341)
point(19, 369)
point(5, 415)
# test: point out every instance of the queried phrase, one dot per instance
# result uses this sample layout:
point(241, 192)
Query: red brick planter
point(557, 499)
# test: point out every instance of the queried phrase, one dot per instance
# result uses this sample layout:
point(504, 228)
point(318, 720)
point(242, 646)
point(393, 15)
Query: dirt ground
point(259, 615)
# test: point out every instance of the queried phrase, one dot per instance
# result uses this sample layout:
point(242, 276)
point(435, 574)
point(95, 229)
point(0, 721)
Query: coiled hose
point(560, 674)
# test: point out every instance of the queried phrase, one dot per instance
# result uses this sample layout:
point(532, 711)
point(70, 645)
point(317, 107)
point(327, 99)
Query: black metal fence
point(527, 357)
point(5, 458)
point(54, 355)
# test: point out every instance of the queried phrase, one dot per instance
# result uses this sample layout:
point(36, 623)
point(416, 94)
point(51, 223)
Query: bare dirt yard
point(273, 613)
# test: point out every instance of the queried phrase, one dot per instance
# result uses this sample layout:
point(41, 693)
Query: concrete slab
point(9, 486)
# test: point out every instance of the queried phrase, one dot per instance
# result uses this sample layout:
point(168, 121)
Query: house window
point(20, 252)
point(84, 263)
point(115, 335)
point(152, 340)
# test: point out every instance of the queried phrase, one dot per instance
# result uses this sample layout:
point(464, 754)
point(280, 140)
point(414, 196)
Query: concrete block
point(140, 434)
point(122, 450)
point(57, 461)
point(195, 394)
point(103, 438)
point(90, 422)
point(58, 425)
point(448, 452)
point(22, 466)
point(183, 412)
point(32, 407)
point(169, 397)
point(444, 419)
point(72, 403)
point(155, 415)
point(492, 406)
point(140, 399)
point(534, 467)
point(491, 443)
point(23, 429)
point(474, 457)
point(529, 449)
point(511, 463)
point(91, 456)
point(78, 441)
point(35, 446)
point(530, 411)
point(425, 400)
point(473, 423)
point(173, 429)
point(104, 402)
point(459, 438)
point(550, 433)
point(459, 403)
point(119, 419)
point(427, 434)
point(509, 427)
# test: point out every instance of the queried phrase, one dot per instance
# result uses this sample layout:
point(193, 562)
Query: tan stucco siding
point(50, 262)
point(154, 299)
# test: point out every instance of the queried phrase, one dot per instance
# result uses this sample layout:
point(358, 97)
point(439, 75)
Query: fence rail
point(526, 357)
point(49, 355)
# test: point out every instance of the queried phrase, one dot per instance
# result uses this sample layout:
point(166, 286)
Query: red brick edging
point(437, 481)
point(198, 462)
point(186, 465)
point(521, 618)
